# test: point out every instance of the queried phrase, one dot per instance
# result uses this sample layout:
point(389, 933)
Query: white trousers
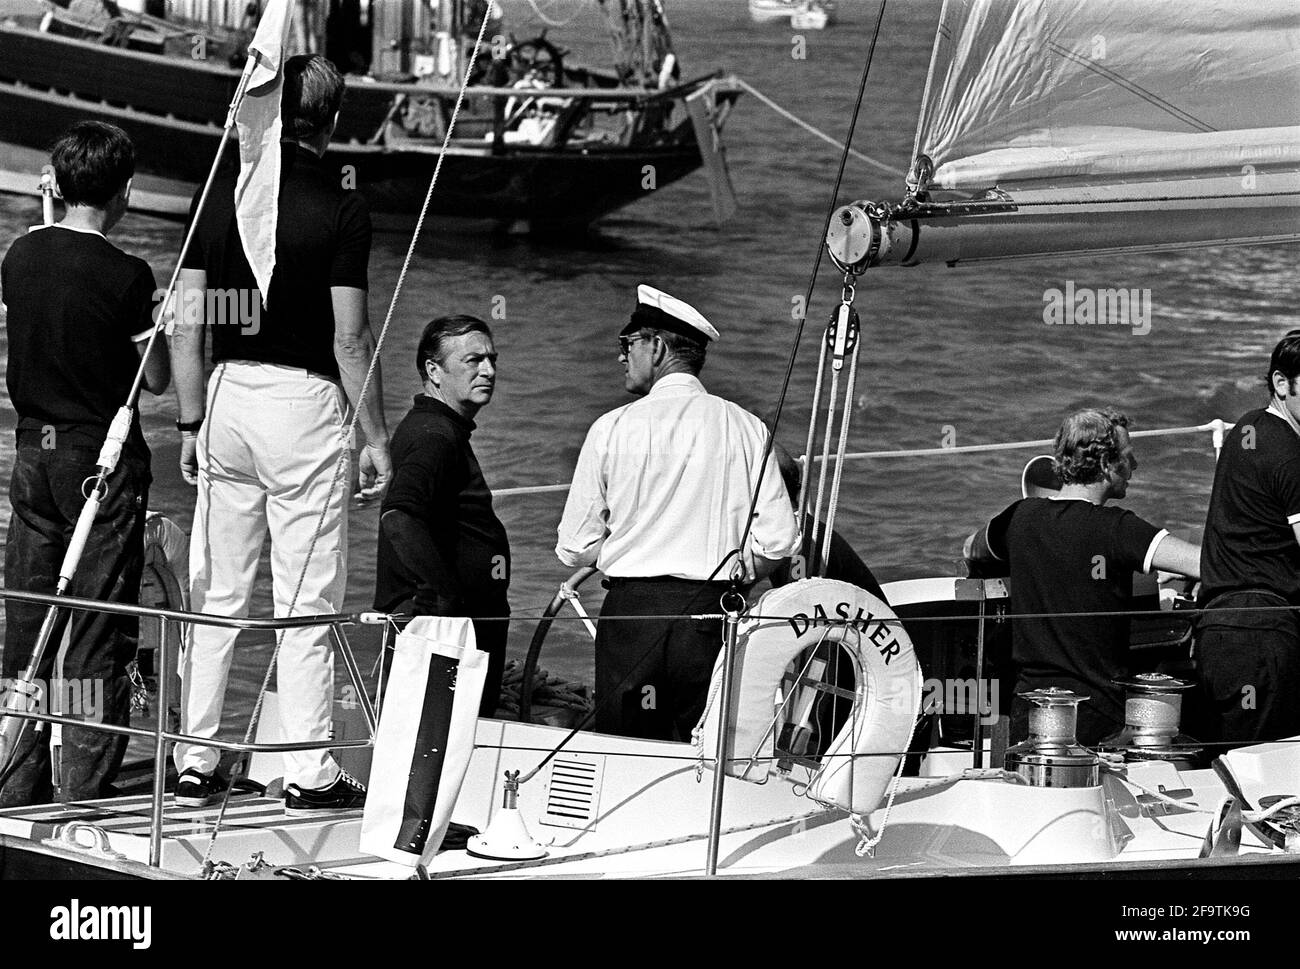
point(268, 451)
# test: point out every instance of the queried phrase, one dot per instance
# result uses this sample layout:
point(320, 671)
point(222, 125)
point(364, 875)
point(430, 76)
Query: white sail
point(1034, 89)
point(1073, 126)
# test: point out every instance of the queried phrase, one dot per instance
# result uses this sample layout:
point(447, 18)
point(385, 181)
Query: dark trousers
point(46, 496)
point(489, 635)
point(1250, 669)
point(652, 675)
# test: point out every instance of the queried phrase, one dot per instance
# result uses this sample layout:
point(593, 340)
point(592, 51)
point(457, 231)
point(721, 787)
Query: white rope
point(841, 446)
point(866, 846)
point(1251, 816)
point(547, 20)
point(824, 457)
point(817, 132)
point(1214, 427)
point(348, 433)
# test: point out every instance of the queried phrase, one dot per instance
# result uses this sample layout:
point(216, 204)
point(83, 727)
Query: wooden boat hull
point(173, 109)
point(175, 88)
point(539, 185)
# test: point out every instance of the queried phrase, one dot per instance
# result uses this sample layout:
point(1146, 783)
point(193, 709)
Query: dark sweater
point(440, 542)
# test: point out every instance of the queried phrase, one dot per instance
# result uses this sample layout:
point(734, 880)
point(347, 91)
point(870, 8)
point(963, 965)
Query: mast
point(643, 46)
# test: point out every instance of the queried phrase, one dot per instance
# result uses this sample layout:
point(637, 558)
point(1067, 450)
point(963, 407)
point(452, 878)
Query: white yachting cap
point(684, 314)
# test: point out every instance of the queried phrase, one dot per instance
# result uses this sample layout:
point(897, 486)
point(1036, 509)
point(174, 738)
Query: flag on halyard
point(258, 120)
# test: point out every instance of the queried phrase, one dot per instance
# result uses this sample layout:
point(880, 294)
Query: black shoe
point(196, 789)
point(345, 794)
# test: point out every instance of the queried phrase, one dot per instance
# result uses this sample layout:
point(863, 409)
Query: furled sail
point(1054, 126)
point(642, 44)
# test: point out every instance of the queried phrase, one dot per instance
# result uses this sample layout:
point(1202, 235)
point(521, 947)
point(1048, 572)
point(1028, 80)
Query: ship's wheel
point(539, 59)
point(536, 59)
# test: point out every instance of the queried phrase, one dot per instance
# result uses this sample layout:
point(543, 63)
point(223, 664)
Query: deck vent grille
point(573, 791)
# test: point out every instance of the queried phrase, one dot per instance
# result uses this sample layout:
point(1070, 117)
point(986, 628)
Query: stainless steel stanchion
point(732, 611)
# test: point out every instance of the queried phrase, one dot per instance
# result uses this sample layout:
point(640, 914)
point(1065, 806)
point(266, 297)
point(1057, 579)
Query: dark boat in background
point(537, 140)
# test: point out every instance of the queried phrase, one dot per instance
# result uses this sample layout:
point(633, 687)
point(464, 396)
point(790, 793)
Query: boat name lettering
point(862, 621)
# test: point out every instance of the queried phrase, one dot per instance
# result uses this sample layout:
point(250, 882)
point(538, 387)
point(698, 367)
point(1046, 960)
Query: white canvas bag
point(424, 740)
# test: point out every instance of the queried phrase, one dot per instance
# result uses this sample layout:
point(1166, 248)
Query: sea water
point(950, 356)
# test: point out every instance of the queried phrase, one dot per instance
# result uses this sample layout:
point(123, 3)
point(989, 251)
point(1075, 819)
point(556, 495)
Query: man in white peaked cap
point(659, 503)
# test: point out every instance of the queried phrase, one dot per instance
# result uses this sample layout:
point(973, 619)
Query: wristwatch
point(189, 427)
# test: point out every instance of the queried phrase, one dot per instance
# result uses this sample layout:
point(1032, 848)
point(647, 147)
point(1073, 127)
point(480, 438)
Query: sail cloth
point(257, 191)
point(424, 740)
point(1109, 90)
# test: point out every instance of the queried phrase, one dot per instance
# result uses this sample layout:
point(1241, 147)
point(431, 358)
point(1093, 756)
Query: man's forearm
point(354, 355)
point(186, 345)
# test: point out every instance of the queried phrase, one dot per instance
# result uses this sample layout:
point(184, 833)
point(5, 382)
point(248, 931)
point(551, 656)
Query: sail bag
point(424, 739)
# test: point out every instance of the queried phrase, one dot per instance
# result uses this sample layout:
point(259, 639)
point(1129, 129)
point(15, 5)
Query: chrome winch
point(1051, 757)
point(1152, 716)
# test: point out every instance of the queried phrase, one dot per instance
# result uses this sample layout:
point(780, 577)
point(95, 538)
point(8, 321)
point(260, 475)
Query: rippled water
point(946, 352)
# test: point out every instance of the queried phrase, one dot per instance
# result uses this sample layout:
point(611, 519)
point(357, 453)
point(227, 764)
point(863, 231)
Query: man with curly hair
point(1069, 553)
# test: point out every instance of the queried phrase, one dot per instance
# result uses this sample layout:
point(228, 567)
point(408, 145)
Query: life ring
point(886, 698)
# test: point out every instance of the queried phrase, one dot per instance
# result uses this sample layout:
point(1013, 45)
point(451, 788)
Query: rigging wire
point(807, 303)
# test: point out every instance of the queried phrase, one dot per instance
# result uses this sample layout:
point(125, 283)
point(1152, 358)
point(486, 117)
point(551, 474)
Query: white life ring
point(887, 694)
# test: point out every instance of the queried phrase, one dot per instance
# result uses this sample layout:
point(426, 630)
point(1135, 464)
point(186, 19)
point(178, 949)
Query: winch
point(1051, 757)
point(1152, 716)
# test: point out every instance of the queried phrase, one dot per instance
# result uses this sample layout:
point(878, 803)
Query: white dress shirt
point(663, 486)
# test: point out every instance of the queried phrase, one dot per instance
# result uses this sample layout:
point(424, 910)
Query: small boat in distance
point(538, 139)
point(800, 14)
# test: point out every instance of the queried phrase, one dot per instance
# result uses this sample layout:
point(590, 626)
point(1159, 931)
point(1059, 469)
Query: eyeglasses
point(625, 343)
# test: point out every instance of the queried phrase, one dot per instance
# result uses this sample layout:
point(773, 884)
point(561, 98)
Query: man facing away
point(659, 503)
point(1248, 648)
point(79, 313)
point(442, 549)
point(267, 450)
point(1071, 554)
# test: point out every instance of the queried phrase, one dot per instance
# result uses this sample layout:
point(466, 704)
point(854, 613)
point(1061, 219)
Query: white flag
point(257, 191)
